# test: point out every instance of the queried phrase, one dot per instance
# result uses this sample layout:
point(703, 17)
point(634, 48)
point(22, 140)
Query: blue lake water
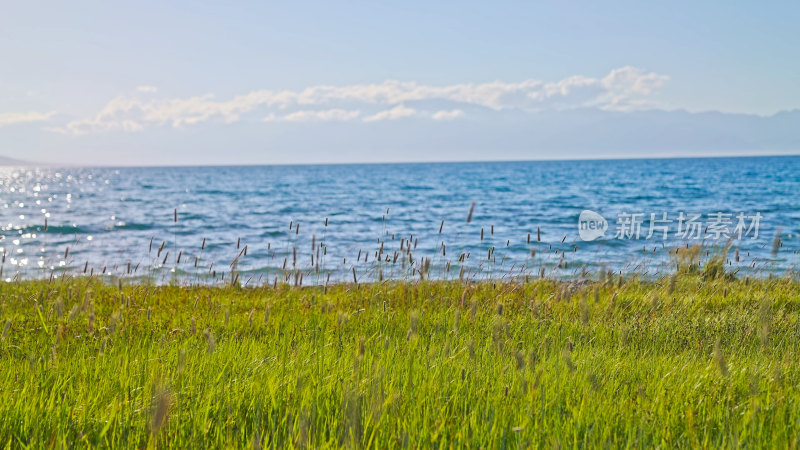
point(117, 219)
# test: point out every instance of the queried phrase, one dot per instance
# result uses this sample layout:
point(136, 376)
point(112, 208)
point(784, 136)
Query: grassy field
point(625, 363)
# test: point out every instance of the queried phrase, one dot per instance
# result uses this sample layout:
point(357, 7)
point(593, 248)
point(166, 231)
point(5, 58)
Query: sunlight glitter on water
point(115, 218)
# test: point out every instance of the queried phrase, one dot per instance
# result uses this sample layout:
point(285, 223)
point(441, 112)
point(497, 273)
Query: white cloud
point(633, 81)
point(90, 125)
point(26, 117)
point(623, 89)
point(447, 115)
point(316, 115)
point(147, 89)
point(398, 112)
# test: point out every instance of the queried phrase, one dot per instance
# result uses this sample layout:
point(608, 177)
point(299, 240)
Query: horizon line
point(366, 163)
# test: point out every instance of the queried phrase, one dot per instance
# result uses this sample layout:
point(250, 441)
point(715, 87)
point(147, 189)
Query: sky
point(141, 83)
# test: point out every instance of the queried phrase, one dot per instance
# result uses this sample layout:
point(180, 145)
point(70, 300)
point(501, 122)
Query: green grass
point(690, 362)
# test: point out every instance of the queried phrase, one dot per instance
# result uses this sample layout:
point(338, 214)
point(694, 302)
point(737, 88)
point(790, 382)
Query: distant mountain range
point(483, 134)
point(475, 133)
point(5, 161)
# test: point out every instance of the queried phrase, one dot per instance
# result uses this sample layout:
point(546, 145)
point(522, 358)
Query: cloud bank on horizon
point(615, 115)
point(623, 89)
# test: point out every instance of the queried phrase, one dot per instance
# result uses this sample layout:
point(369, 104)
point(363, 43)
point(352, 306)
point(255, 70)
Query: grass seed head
point(520, 358)
point(159, 410)
point(212, 341)
point(6, 328)
point(719, 358)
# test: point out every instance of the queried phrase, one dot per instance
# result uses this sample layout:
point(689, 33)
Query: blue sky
point(170, 75)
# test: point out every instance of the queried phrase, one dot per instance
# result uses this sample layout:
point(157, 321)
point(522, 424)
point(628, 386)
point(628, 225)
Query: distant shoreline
point(11, 162)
